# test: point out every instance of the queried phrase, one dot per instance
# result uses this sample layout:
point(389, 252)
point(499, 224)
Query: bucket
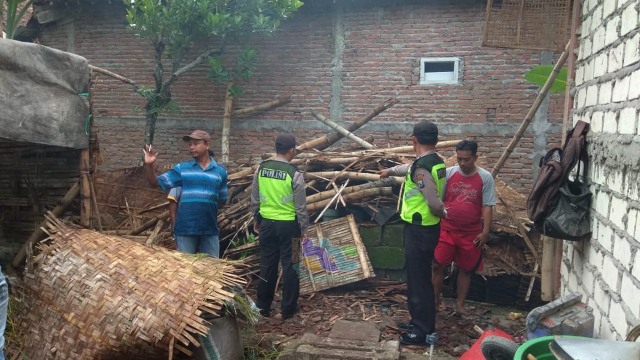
point(538, 347)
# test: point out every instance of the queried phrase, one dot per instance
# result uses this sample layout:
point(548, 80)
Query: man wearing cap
point(421, 210)
point(204, 186)
point(278, 201)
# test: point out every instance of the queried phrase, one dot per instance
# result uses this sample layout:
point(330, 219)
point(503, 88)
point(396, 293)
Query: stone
point(314, 347)
point(353, 330)
point(392, 235)
point(370, 235)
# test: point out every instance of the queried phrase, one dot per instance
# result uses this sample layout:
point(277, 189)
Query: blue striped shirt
point(201, 191)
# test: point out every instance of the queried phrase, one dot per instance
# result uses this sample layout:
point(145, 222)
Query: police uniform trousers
point(419, 244)
point(276, 244)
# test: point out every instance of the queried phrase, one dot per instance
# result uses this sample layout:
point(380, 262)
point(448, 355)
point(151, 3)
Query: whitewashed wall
point(607, 94)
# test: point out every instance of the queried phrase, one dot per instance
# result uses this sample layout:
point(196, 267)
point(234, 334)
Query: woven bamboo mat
point(95, 296)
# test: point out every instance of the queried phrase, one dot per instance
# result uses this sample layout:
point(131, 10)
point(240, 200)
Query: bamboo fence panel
point(333, 255)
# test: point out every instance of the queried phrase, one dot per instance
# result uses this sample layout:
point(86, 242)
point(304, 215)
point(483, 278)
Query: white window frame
point(449, 77)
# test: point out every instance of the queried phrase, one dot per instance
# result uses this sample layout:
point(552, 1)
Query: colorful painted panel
point(333, 255)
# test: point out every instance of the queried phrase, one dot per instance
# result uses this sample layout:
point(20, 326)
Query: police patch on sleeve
point(420, 180)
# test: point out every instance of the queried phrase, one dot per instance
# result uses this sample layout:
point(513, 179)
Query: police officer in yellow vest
point(422, 208)
point(278, 201)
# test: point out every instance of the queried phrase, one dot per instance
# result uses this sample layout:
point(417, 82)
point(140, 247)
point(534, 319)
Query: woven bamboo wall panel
point(527, 24)
point(94, 296)
point(333, 255)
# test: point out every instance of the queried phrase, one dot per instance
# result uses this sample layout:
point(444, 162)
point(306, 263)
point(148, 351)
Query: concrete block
point(579, 76)
point(629, 20)
point(607, 331)
point(392, 235)
point(386, 257)
point(605, 236)
point(636, 232)
point(628, 120)
point(314, 347)
point(598, 39)
point(600, 65)
point(355, 330)
point(580, 98)
point(592, 96)
point(618, 208)
point(604, 95)
point(610, 124)
point(615, 58)
point(610, 273)
point(630, 293)
point(635, 268)
point(621, 90)
point(597, 320)
point(618, 318)
point(595, 257)
point(631, 50)
point(585, 47)
point(588, 281)
point(608, 7)
point(573, 281)
point(631, 222)
point(601, 297)
point(634, 91)
point(602, 203)
point(611, 32)
point(622, 251)
point(588, 69)
point(370, 234)
point(597, 117)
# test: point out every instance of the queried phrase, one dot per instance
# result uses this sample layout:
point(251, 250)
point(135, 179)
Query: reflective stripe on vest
point(415, 209)
point(275, 184)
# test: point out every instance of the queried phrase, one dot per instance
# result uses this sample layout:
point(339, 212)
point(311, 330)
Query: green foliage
point(154, 103)
point(539, 75)
point(16, 9)
point(245, 63)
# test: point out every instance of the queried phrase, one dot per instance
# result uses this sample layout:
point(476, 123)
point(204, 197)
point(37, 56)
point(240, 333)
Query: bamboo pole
point(342, 131)
point(226, 122)
point(383, 191)
point(326, 175)
point(85, 189)
point(532, 111)
point(261, 107)
point(325, 141)
point(150, 223)
point(38, 233)
point(113, 75)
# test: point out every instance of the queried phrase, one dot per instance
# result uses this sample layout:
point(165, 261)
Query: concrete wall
point(340, 58)
point(606, 269)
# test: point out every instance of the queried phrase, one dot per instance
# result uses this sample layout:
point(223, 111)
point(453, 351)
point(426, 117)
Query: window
point(439, 70)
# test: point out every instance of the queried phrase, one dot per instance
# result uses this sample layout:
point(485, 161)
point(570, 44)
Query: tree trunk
point(226, 123)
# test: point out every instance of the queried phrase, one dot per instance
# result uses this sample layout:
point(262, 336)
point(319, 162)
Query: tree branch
point(194, 63)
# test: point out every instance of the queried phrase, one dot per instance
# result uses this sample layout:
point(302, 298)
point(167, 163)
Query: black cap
point(285, 141)
point(425, 129)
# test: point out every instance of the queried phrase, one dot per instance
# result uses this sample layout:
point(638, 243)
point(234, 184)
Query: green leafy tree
point(175, 26)
point(16, 9)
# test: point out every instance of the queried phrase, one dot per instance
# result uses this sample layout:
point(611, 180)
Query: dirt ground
point(384, 304)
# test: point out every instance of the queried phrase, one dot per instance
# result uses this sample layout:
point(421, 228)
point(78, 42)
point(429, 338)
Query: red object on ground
point(475, 352)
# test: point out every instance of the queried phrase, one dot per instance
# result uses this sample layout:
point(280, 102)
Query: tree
point(175, 26)
point(16, 9)
point(242, 71)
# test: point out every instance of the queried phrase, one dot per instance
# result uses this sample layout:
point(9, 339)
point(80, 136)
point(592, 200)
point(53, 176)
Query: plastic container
point(538, 347)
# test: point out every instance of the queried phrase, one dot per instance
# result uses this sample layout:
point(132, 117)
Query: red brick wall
point(383, 42)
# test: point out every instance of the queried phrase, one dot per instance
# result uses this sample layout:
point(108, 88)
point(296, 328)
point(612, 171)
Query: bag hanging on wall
point(570, 218)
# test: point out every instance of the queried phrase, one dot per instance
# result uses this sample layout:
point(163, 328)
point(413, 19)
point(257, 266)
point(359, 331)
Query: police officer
point(422, 208)
point(278, 201)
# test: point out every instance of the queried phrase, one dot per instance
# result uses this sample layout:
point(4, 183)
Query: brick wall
point(606, 269)
point(340, 59)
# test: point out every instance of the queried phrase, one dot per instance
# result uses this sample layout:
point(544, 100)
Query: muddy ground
point(384, 304)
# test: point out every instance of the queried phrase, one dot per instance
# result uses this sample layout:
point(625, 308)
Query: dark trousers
point(276, 244)
point(419, 245)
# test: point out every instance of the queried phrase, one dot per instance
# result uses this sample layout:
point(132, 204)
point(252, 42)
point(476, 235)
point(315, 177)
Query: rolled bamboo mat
point(94, 296)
